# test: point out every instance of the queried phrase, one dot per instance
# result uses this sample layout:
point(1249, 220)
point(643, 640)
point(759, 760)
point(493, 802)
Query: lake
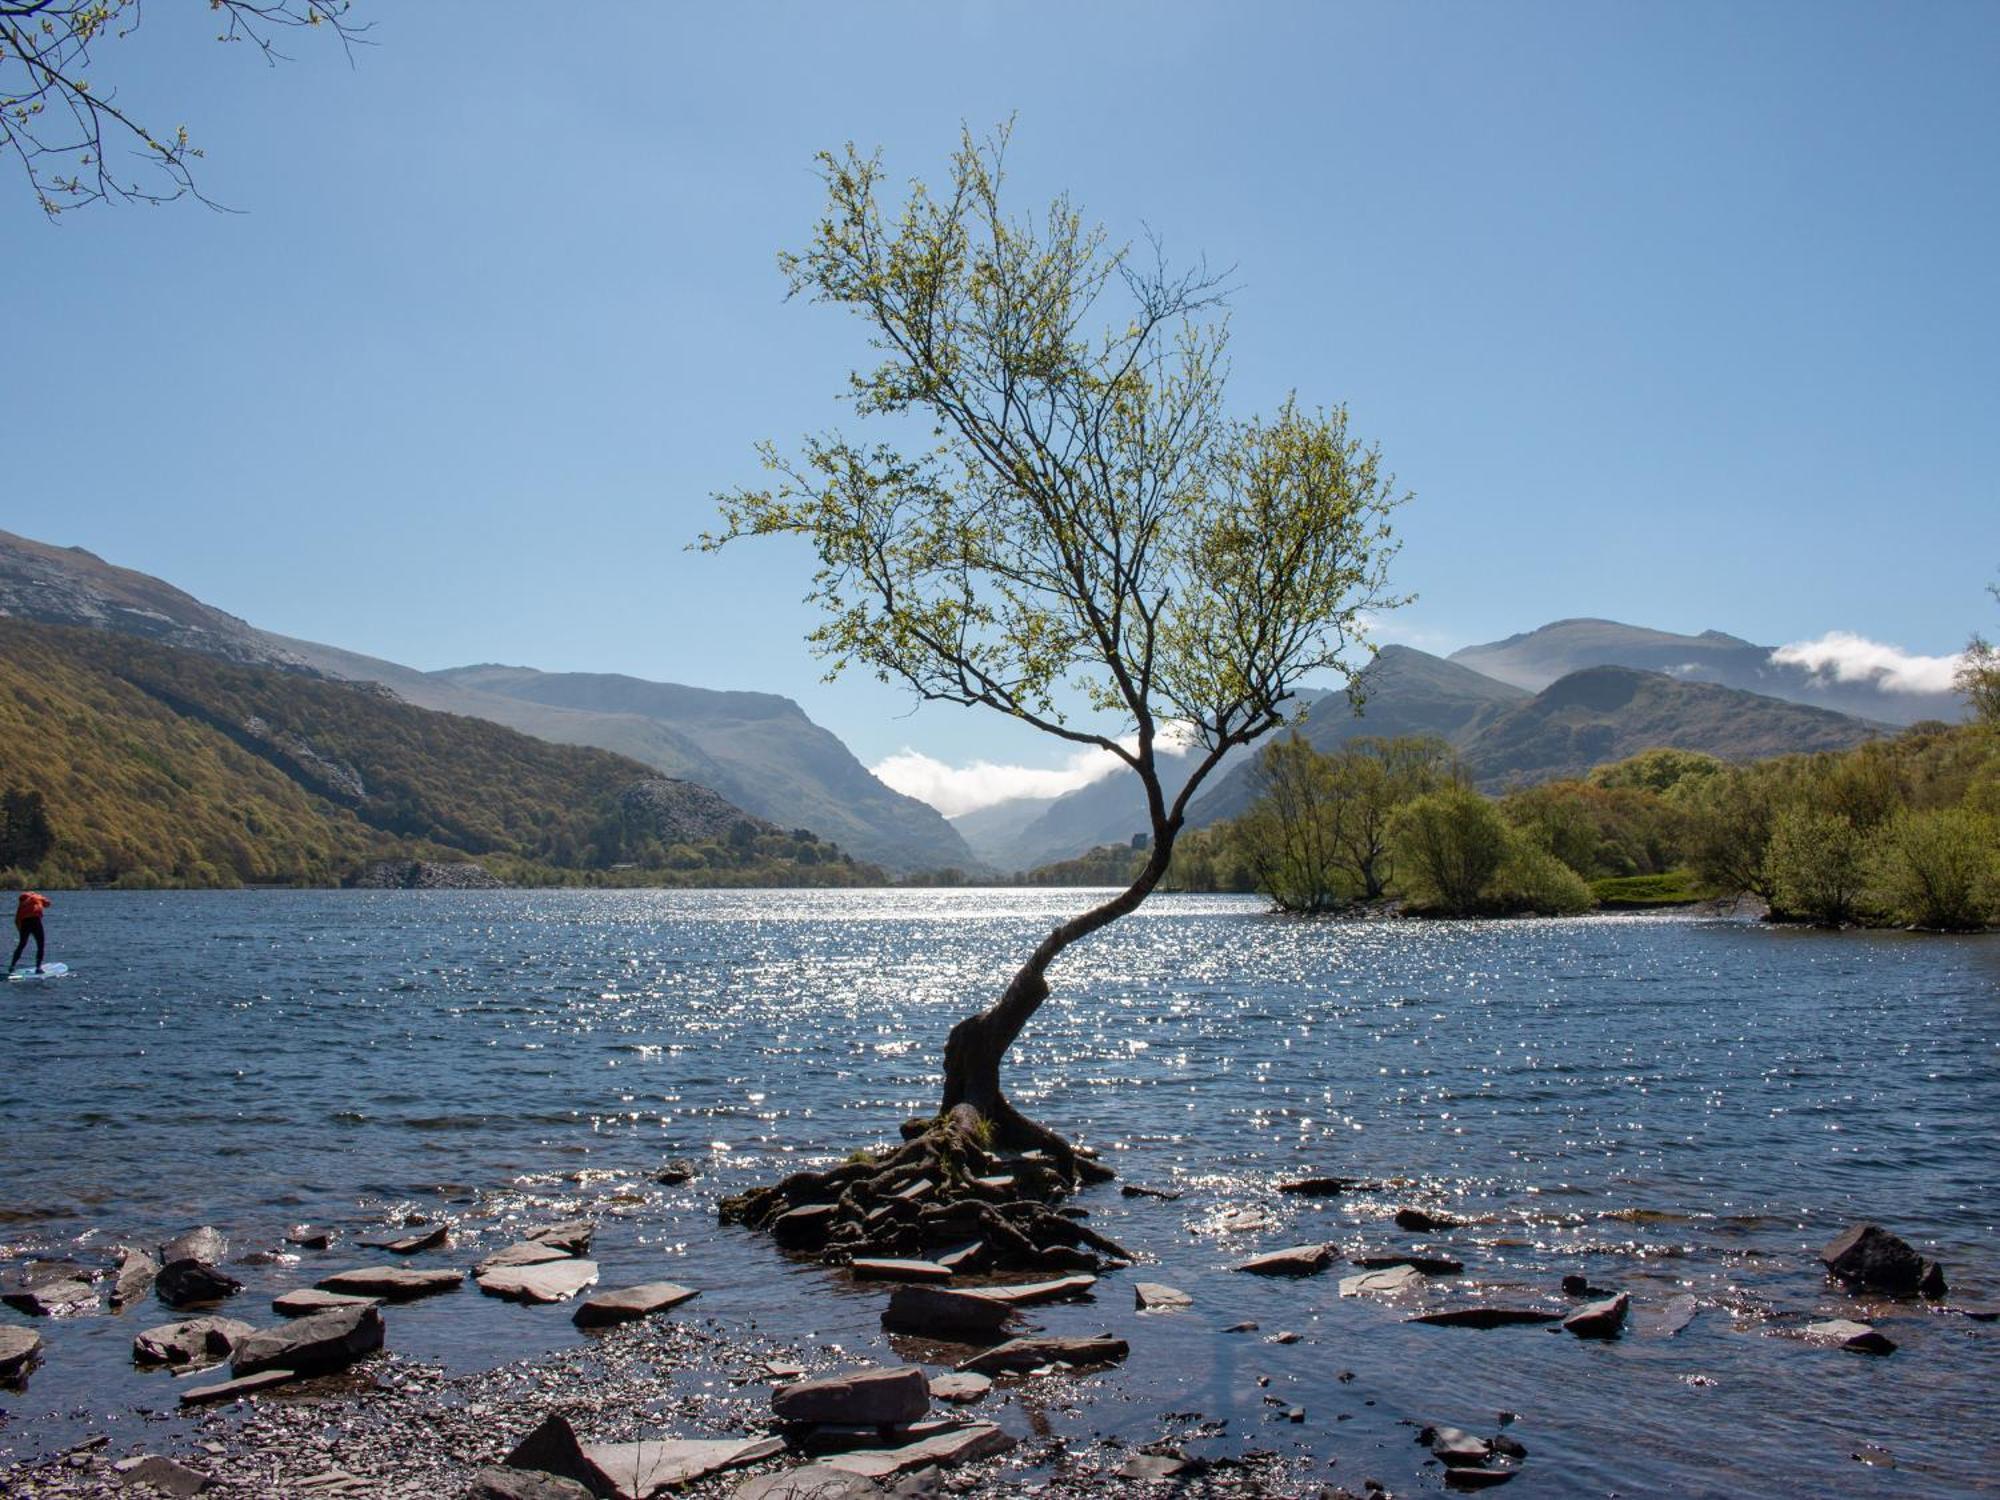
point(1667, 1105)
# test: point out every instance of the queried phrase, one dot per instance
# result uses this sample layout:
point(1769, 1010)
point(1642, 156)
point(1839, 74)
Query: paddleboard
point(48, 971)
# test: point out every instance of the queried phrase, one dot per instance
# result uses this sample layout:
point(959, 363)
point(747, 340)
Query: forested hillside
point(157, 765)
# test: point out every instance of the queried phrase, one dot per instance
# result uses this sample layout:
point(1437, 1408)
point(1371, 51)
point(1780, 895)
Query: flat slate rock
point(1456, 1447)
point(1430, 1265)
point(868, 1268)
point(551, 1281)
point(312, 1345)
point(573, 1235)
point(813, 1482)
point(206, 1244)
point(304, 1301)
point(1417, 1221)
point(1154, 1296)
point(1382, 1283)
point(941, 1313)
point(961, 1388)
point(309, 1236)
point(636, 1471)
point(527, 1253)
point(1599, 1320)
point(231, 1390)
point(52, 1299)
point(428, 1238)
point(1295, 1260)
point(162, 1476)
point(134, 1276)
point(1151, 1466)
point(18, 1350)
point(195, 1341)
point(626, 1303)
point(1486, 1317)
point(876, 1397)
point(523, 1484)
point(1139, 1190)
point(1845, 1333)
point(1029, 1293)
point(391, 1283)
point(962, 1445)
point(1021, 1355)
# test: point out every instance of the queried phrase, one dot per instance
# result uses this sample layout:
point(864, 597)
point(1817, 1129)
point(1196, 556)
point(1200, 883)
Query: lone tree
point(1082, 535)
point(62, 123)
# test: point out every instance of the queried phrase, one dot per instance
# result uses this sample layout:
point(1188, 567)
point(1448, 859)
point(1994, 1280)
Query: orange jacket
point(31, 906)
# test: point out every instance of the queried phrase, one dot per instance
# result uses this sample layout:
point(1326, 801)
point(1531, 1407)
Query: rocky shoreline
point(976, 1395)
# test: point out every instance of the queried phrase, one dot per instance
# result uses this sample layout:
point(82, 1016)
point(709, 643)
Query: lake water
point(1667, 1105)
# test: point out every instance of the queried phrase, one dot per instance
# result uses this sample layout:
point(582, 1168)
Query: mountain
point(1608, 713)
point(755, 749)
point(1404, 692)
point(1537, 658)
point(158, 764)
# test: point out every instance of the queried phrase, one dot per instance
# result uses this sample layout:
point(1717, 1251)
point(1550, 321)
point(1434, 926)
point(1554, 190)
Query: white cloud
point(1846, 657)
point(956, 790)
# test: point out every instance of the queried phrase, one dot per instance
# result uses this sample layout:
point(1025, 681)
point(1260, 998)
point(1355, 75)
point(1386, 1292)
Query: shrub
point(1817, 865)
point(1533, 880)
point(1938, 869)
point(1449, 846)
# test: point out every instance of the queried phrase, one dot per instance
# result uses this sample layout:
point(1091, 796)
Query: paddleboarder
point(28, 922)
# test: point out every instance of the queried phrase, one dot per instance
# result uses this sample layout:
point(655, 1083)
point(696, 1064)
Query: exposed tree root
point(970, 1186)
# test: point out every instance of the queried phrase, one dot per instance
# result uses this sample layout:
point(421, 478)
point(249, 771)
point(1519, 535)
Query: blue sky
point(1681, 314)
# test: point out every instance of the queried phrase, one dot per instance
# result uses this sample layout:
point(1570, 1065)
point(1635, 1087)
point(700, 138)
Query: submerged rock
point(309, 1236)
point(1486, 1316)
point(189, 1283)
point(1320, 1187)
point(527, 1253)
point(875, 1398)
point(961, 1388)
point(675, 1172)
point(1845, 1333)
point(1417, 1221)
point(1382, 1283)
point(427, 1238)
point(197, 1340)
point(1021, 1355)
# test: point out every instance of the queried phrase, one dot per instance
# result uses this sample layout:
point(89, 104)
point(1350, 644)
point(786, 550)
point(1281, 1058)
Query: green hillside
point(163, 766)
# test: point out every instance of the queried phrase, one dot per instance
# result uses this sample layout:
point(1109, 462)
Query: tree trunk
point(976, 1045)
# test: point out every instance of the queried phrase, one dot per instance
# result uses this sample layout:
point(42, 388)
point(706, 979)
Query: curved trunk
point(973, 1051)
